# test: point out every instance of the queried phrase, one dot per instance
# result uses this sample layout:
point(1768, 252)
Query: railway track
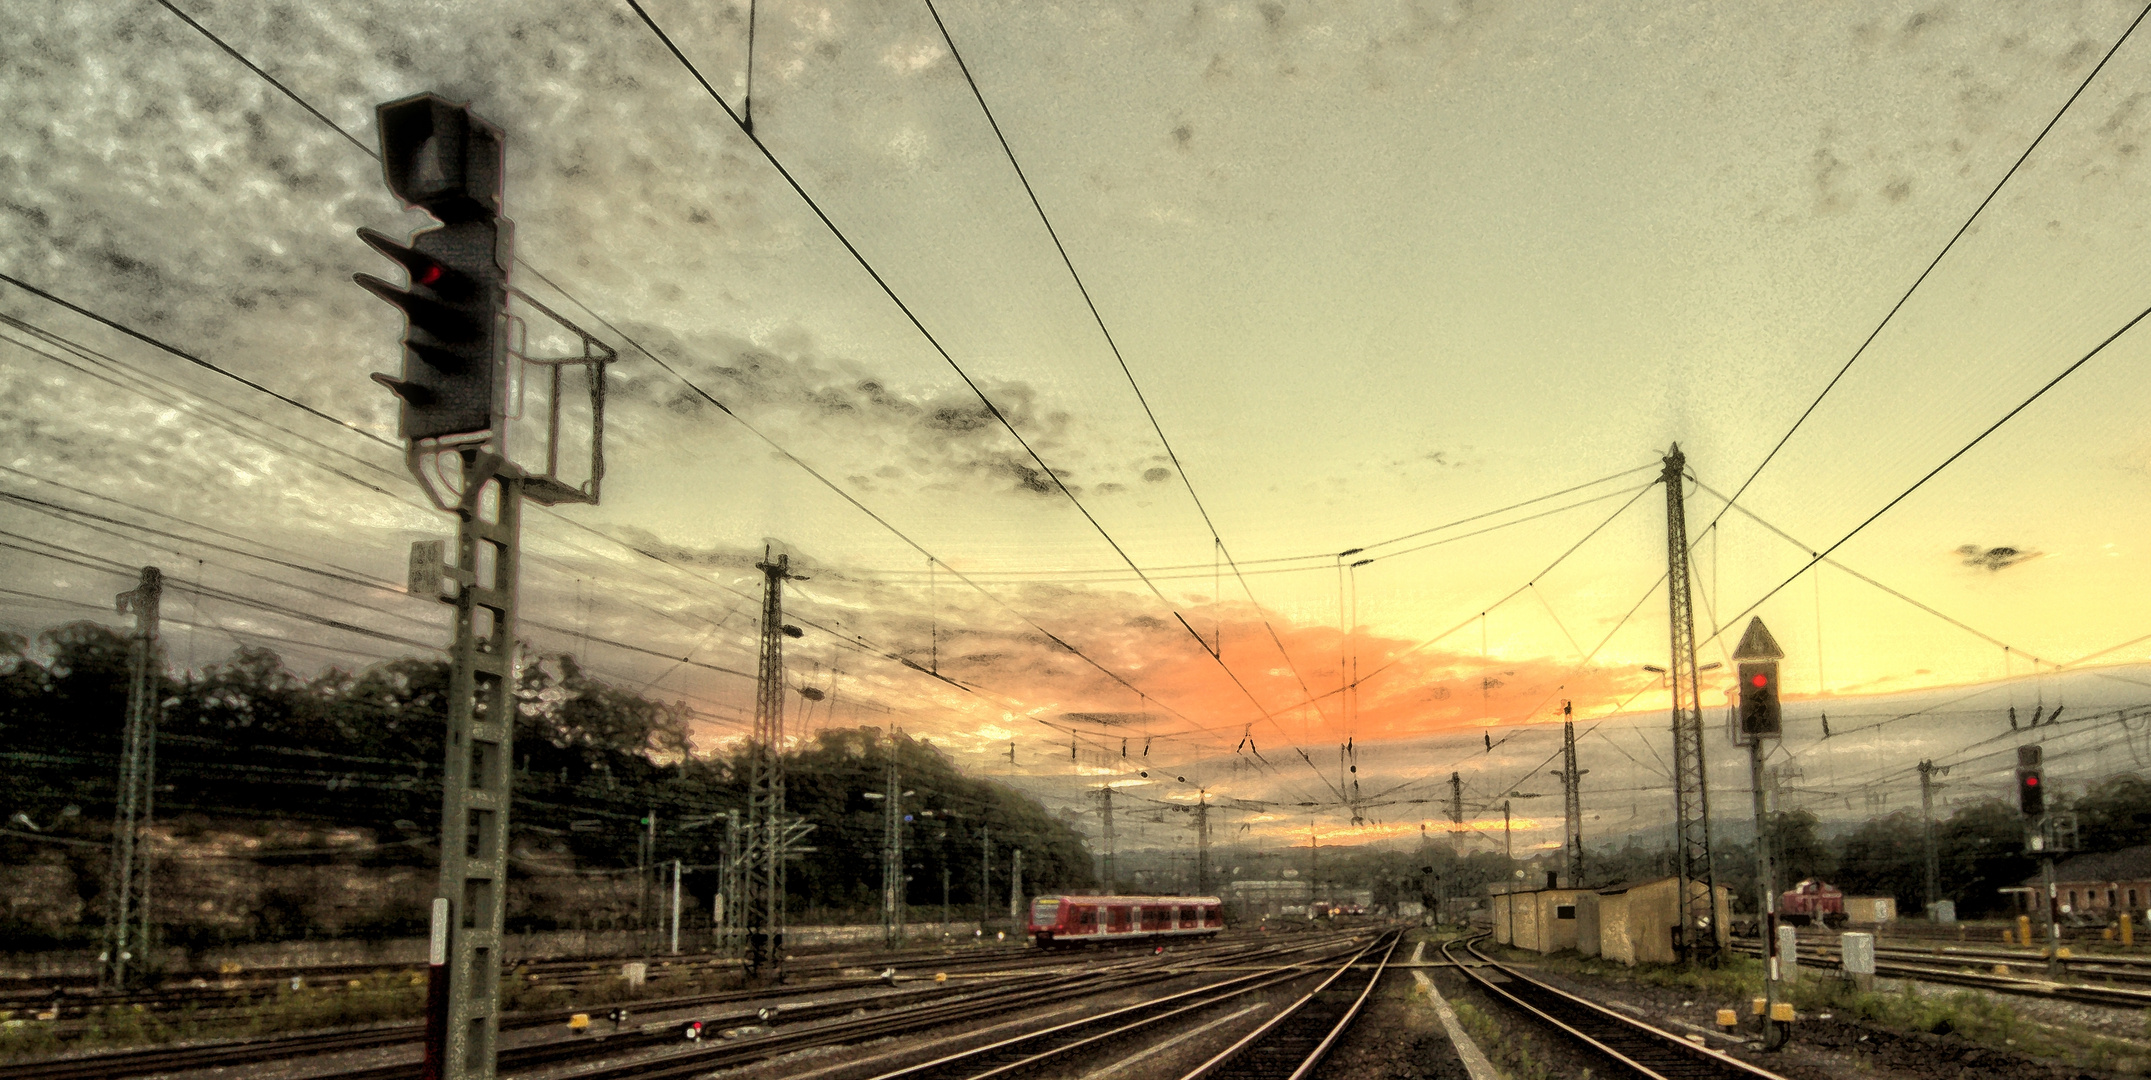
point(1011, 966)
point(1291, 1044)
point(1088, 1034)
point(1930, 970)
point(683, 1064)
point(1630, 1046)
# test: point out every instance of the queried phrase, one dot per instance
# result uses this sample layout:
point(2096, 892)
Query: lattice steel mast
point(1571, 798)
point(128, 899)
point(1691, 792)
point(764, 899)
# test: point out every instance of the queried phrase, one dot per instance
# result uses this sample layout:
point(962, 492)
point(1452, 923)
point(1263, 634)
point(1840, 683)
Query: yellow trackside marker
point(1782, 1012)
point(1728, 1018)
point(579, 1023)
point(1758, 1006)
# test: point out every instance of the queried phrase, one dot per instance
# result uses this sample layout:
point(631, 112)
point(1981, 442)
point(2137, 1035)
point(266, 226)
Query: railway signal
point(446, 160)
point(1757, 665)
point(2031, 790)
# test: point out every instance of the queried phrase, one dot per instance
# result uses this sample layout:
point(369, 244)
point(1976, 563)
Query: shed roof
point(2127, 864)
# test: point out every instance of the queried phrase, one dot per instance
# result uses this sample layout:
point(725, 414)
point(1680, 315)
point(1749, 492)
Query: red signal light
point(1760, 680)
point(2031, 781)
point(429, 275)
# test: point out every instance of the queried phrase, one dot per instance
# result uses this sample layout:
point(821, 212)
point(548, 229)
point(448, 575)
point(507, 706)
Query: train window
point(1213, 916)
point(1045, 912)
point(1564, 911)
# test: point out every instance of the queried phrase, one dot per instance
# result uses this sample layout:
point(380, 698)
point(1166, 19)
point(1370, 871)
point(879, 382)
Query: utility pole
point(733, 934)
point(892, 850)
point(645, 865)
point(1508, 841)
point(1926, 815)
point(985, 872)
point(1314, 848)
point(1571, 797)
point(765, 792)
point(675, 907)
point(132, 810)
point(1508, 851)
point(1696, 878)
point(1105, 813)
point(458, 356)
point(944, 896)
point(1456, 815)
point(1760, 719)
point(1015, 885)
point(1202, 844)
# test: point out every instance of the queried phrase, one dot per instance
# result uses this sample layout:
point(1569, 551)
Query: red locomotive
point(1813, 903)
point(1077, 920)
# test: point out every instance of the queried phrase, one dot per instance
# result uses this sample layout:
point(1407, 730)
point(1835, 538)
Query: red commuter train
point(1075, 920)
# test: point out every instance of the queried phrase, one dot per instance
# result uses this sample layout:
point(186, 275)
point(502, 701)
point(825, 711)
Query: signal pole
point(1691, 791)
point(1760, 719)
point(985, 872)
point(1926, 815)
point(132, 811)
point(2031, 801)
point(766, 833)
point(457, 356)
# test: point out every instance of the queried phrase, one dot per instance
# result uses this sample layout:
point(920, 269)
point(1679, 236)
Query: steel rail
point(1035, 1048)
point(1673, 1057)
point(903, 1021)
point(2080, 993)
point(1244, 1056)
point(146, 1061)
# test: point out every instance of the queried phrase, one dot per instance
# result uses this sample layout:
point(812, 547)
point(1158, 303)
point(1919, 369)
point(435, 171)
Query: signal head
point(442, 157)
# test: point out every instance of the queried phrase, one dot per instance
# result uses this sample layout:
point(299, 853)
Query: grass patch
point(351, 1003)
point(1987, 1019)
point(358, 1001)
point(1509, 1055)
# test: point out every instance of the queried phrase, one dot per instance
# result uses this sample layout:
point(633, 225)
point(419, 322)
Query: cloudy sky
point(1376, 268)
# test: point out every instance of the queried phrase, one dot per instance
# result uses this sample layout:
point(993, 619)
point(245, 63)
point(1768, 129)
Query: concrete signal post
point(458, 358)
point(1761, 720)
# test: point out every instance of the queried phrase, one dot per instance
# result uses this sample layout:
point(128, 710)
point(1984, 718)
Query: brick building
point(2098, 885)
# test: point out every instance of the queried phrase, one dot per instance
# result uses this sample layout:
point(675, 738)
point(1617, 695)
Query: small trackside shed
point(1543, 920)
point(1637, 922)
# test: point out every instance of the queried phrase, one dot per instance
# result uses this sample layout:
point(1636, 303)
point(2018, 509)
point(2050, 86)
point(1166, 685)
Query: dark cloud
point(1994, 559)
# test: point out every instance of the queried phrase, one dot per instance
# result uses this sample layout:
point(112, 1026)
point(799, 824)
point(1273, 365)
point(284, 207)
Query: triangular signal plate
point(1757, 644)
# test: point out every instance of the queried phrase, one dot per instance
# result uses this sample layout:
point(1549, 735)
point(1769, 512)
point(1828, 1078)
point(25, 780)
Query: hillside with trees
point(293, 807)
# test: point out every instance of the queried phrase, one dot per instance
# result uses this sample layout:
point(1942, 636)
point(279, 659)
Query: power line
point(1917, 484)
point(1954, 237)
point(1796, 542)
point(890, 292)
point(205, 32)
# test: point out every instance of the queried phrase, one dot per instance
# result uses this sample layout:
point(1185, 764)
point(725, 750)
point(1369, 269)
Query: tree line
point(246, 740)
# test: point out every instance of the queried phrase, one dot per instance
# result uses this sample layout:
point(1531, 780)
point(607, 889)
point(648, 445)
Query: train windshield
point(1043, 912)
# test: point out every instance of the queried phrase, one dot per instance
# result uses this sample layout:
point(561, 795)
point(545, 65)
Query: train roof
point(1118, 899)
